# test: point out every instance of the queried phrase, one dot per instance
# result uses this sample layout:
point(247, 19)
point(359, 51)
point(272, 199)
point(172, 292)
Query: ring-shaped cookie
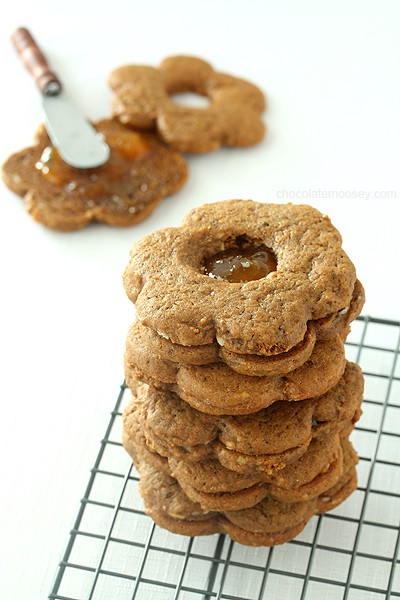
point(313, 280)
point(144, 98)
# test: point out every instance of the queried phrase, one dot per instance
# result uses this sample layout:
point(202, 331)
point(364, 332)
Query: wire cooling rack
point(115, 552)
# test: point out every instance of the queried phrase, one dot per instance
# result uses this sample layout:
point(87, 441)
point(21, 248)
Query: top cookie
point(143, 99)
point(174, 296)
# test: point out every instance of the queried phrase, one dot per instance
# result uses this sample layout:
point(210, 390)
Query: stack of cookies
point(242, 399)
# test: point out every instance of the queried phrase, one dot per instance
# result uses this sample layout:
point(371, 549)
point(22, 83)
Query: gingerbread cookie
point(302, 276)
point(258, 443)
point(144, 99)
point(141, 171)
point(268, 523)
point(216, 389)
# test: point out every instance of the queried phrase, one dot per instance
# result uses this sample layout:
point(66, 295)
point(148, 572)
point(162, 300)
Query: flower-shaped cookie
point(140, 172)
point(218, 488)
point(151, 342)
point(314, 278)
point(268, 523)
point(218, 390)
point(262, 442)
point(144, 98)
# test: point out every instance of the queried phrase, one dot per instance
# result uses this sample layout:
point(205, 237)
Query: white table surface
point(330, 71)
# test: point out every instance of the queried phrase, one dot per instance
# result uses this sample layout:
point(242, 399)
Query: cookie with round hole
point(144, 98)
point(309, 279)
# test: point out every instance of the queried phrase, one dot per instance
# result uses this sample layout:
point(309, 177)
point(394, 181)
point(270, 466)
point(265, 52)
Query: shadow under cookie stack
point(242, 399)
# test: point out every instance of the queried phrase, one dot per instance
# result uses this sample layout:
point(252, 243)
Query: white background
point(330, 71)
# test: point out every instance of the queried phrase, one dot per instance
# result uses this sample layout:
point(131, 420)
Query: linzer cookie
point(261, 442)
point(250, 364)
point(141, 171)
point(216, 488)
point(314, 281)
point(143, 98)
point(242, 400)
point(269, 522)
point(216, 389)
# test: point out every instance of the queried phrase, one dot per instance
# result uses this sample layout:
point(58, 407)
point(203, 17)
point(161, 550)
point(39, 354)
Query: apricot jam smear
point(240, 265)
point(95, 183)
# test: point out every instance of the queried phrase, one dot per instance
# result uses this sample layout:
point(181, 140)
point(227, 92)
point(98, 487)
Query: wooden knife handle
point(36, 63)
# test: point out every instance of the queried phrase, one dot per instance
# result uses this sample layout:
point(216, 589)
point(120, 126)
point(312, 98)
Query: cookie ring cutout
point(314, 277)
point(143, 98)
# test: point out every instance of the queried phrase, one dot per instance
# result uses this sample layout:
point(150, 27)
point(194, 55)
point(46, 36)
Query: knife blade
point(76, 140)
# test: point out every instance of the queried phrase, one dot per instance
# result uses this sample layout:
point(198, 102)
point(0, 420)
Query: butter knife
point(77, 142)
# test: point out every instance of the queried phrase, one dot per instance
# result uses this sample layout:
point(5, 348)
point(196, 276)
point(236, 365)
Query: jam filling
point(94, 183)
point(240, 265)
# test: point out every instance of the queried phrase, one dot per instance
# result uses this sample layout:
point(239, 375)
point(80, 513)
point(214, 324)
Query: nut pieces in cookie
point(263, 441)
point(218, 488)
point(140, 172)
point(268, 523)
point(314, 278)
point(218, 390)
point(144, 99)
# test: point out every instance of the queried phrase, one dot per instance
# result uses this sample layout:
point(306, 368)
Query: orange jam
point(94, 183)
point(240, 265)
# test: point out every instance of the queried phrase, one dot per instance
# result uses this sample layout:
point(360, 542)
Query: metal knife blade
point(77, 142)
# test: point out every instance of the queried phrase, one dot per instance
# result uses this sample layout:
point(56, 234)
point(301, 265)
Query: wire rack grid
point(115, 552)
